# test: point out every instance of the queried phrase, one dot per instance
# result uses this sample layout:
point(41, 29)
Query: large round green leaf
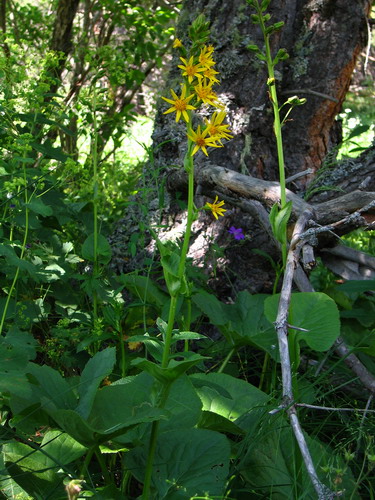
point(315, 312)
point(187, 464)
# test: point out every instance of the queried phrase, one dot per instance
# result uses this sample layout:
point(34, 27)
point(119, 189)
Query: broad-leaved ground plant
point(145, 385)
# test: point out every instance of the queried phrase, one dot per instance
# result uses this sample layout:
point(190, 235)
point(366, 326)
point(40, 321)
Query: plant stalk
point(153, 443)
point(95, 201)
point(23, 249)
point(277, 121)
point(189, 166)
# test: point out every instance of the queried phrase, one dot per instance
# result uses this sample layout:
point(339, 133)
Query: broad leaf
point(60, 448)
point(30, 469)
point(50, 388)
point(270, 465)
point(174, 369)
point(37, 206)
point(188, 464)
point(242, 323)
point(313, 311)
point(227, 396)
point(104, 251)
point(96, 369)
point(144, 289)
point(16, 349)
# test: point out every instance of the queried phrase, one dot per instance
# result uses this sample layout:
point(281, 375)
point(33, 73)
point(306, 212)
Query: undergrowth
point(146, 385)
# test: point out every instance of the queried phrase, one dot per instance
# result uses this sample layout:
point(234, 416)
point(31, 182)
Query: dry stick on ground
point(281, 325)
point(334, 214)
point(351, 360)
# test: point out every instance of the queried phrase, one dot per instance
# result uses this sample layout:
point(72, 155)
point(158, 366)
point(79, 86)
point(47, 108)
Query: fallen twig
point(351, 360)
point(281, 325)
point(331, 408)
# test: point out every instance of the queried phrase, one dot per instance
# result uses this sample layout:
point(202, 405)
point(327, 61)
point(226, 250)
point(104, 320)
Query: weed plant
point(110, 387)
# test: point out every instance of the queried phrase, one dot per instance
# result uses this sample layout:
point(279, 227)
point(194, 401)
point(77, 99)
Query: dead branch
point(340, 208)
point(349, 263)
point(351, 360)
point(281, 325)
point(332, 408)
point(349, 211)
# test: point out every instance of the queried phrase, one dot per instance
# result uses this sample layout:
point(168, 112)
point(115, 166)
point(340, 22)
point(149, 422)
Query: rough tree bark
point(61, 41)
point(323, 39)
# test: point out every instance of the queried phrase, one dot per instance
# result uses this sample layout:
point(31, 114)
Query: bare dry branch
point(351, 360)
point(281, 325)
point(344, 214)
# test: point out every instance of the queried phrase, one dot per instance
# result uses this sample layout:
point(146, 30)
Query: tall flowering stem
point(189, 166)
point(198, 78)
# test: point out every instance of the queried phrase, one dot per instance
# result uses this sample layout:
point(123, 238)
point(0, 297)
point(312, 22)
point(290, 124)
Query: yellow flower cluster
point(199, 79)
point(199, 76)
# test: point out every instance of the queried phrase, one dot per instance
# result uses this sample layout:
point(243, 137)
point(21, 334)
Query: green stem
point(150, 460)
point(264, 370)
point(86, 462)
point(23, 249)
point(187, 323)
point(123, 355)
point(226, 360)
point(277, 121)
point(168, 333)
point(95, 201)
point(189, 166)
point(106, 474)
point(125, 482)
point(152, 447)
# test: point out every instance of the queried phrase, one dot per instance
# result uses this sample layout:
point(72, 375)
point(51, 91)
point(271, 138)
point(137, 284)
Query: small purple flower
point(237, 233)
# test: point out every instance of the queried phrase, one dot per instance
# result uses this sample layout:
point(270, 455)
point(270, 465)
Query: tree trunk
point(323, 39)
point(61, 41)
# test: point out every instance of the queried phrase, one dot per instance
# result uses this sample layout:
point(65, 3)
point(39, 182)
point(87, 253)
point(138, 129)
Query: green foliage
point(190, 464)
point(92, 367)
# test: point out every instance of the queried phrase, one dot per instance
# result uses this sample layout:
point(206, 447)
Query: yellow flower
point(216, 128)
point(205, 57)
point(190, 69)
point(177, 43)
point(180, 104)
point(216, 208)
point(210, 74)
point(205, 93)
point(201, 141)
